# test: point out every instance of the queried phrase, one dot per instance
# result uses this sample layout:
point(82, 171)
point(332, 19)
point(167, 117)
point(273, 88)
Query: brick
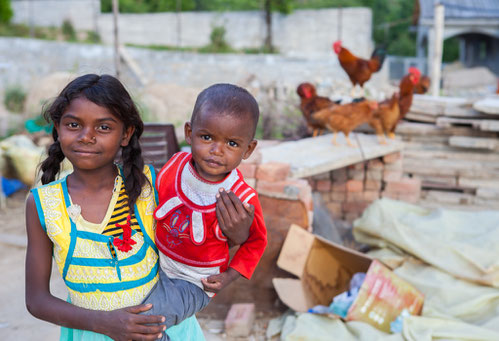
point(375, 164)
point(255, 158)
point(354, 196)
point(354, 207)
point(355, 174)
point(273, 171)
point(292, 189)
point(251, 182)
point(354, 186)
point(410, 197)
point(390, 195)
point(248, 170)
point(374, 174)
point(391, 158)
point(392, 175)
point(339, 175)
point(335, 208)
point(340, 186)
point(397, 165)
point(323, 185)
point(240, 319)
point(312, 183)
point(370, 196)
point(326, 197)
point(372, 185)
point(356, 166)
point(405, 185)
point(322, 176)
point(338, 196)
point(350, 217)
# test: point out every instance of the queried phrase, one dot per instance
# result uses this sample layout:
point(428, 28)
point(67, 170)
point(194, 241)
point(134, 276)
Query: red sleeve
point(247, 257)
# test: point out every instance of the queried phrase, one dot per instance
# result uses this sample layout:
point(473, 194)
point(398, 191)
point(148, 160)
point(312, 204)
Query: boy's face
point(219, 142)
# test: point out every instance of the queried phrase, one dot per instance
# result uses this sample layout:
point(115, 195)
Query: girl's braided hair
point(108, 92)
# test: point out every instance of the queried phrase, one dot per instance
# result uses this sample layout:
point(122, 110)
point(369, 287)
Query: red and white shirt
point(188, 232)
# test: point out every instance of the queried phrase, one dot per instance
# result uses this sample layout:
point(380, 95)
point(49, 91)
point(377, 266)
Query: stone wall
point(23, 61)
point(83, 14)
point(302, 32)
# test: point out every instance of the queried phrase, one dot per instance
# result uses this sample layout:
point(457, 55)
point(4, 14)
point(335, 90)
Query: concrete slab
point(488, 105)
point(316, 155)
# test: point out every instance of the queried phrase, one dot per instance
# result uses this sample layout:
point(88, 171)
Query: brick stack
point(346, 192)
point(271, 180)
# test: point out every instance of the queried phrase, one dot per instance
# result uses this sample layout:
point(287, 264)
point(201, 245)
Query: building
point(474, 22)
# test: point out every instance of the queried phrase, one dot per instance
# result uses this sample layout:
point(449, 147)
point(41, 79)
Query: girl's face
point(90, 135)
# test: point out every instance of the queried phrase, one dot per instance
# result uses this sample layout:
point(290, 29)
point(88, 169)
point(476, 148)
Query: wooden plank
point(413, 116)
point(477, 183)
point(446, 122)
point(488, 105)
point(474, 142)
point(312, 156)
point(446, 197)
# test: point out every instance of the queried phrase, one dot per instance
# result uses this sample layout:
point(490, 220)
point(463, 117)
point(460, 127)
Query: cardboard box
point(324, 270)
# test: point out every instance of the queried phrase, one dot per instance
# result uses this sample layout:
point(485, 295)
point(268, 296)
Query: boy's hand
point(234, 217)
point(215, 283)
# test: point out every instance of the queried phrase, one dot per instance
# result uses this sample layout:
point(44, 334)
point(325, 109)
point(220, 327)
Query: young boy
point(194, 253)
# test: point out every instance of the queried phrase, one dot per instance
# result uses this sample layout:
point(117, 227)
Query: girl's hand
point(215, 283)
point(234, 217)
point(127, 324)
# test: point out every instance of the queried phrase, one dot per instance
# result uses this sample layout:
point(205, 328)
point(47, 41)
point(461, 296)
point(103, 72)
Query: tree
point(5, 11)
point(283, 6)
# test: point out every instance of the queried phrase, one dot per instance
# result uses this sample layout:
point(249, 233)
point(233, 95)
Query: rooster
point(346, 117)
point(423, 85)
point(311, 103)
point(407, 84)
point(359, 70)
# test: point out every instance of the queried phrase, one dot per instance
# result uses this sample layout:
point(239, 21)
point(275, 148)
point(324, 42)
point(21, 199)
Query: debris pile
point(460, 138)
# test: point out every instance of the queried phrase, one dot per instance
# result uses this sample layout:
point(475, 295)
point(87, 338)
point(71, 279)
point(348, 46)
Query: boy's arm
point(246, 257)
point(249, 253)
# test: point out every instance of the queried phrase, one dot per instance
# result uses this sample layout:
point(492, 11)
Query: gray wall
point(301, 33)
point(84, 14)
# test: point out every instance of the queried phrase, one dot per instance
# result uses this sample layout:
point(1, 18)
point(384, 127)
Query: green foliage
point(148, 6)
point(5, 11)
point(217, 37)
point(14, 98)
point(14, 30)
point(93, 37)
point(68, 30)
point(451, 50)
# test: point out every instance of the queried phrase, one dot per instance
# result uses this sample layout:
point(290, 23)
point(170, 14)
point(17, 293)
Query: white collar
point(200, 191)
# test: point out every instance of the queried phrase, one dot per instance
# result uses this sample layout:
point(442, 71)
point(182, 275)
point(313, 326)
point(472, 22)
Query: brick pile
point(346, 192)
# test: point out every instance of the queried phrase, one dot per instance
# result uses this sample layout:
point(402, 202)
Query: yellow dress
point(97, 274)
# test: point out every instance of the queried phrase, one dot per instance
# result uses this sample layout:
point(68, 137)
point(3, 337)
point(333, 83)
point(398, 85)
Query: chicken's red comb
point(415, 71)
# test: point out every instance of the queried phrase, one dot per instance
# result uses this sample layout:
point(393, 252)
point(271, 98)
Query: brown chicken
point(423, 85)
point(406, 87)
point(385, 118)
point(359, 70)
point(311, 103)
point(346, 117)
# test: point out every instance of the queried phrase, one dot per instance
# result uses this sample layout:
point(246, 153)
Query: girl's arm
point(120, 324)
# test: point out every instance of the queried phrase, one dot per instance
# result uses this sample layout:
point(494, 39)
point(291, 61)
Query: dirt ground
point(15, 321)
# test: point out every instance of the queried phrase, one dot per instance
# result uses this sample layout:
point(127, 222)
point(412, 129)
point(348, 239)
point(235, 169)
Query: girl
point(97, 222)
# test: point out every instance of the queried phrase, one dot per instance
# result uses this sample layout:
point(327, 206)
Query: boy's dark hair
point(108, 92)
point(227, 99)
